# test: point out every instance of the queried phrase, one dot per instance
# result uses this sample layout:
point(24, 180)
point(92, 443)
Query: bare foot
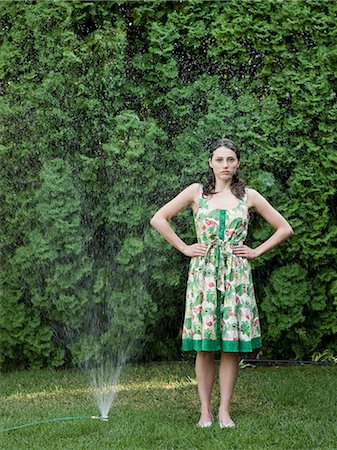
point(205, 420)
point(225, 420)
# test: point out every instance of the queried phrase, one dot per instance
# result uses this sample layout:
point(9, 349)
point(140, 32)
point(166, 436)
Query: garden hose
point(61, 419)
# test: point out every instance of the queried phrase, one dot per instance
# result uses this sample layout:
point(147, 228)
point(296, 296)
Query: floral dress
point(221, 311)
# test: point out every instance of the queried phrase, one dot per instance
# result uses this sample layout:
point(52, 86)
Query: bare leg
point(205, 373)
point(228, 372)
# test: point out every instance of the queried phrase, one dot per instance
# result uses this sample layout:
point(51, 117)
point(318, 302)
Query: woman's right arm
point(160, 221)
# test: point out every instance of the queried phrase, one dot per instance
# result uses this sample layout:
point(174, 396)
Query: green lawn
point(157, 408)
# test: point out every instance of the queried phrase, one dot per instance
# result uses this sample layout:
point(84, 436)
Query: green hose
point(38, 422)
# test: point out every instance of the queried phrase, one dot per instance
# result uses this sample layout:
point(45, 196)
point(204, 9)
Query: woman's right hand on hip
point(195, 250)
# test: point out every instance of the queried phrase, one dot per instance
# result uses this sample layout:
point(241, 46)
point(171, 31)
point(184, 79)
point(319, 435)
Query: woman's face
point(224, 163)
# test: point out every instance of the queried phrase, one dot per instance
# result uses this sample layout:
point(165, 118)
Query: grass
point(157, 408)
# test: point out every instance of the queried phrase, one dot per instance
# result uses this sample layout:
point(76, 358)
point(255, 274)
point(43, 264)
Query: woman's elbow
point(158, 221)
point(289, 231)
point(155, 220)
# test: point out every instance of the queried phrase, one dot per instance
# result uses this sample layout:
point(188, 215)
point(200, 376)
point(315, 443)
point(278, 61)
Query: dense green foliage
point(105, 110)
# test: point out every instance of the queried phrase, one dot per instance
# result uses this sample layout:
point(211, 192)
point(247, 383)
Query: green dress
point(221, 311)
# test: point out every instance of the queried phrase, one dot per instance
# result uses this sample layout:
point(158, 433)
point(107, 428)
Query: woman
point(221, 313)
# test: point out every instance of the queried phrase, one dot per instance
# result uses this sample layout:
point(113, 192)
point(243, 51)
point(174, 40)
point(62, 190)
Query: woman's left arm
point(274, 218)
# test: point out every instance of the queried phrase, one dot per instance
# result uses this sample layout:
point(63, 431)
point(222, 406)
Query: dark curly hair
point(237, 185)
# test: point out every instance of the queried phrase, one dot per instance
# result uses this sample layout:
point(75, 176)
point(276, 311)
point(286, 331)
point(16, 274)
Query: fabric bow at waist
point(220, 255)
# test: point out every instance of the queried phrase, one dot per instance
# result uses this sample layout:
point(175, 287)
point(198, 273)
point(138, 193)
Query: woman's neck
point(222, 186)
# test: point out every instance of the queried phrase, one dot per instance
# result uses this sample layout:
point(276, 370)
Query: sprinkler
point(104, 418)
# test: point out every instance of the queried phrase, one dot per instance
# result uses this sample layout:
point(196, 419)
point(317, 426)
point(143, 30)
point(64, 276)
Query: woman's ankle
point(206, 409)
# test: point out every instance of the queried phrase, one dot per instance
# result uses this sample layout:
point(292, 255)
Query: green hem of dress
point(225, 346)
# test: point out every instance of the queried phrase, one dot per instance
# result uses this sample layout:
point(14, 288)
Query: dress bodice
point(230, 225)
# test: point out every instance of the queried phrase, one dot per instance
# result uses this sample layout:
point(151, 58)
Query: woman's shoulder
point(250, 192)
point(191, 192)
point(252, 197)
point(194, 187)
point(196, 191)
point(198, 188)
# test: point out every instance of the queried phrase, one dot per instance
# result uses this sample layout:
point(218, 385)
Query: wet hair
point(237, 185)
